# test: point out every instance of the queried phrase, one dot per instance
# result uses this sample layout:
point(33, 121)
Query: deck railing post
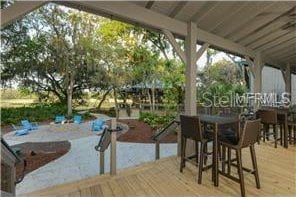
point(102, 162)
point(113, 147)
point(157, 150)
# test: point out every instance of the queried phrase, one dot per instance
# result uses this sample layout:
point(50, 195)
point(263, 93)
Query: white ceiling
point(268, 27)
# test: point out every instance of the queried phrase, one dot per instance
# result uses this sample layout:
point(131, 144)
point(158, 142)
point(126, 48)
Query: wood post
point(113, 147)
point(102, 162)
point(191, 69)
point(190, 78)
point(258, 65)
point(157, 150)
point(288, 82)
point(189, 57)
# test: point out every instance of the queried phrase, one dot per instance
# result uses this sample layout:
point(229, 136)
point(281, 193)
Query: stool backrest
point(191, 127)
point(250, 133)
point(267, 116)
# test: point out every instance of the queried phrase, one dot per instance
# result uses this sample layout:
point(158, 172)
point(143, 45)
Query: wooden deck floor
point(277, 170)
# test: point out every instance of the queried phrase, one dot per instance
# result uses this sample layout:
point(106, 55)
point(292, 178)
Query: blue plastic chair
point(77, 119)
point(18, 130)
point(29, 125)
point(21, 132)
point(60, 119)
point(97, 125)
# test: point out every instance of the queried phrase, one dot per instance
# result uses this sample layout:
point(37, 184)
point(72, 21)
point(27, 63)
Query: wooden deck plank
point(96, 191)
point(106, 190)
point(85, 192)
point(74, 194)
point(277, 171)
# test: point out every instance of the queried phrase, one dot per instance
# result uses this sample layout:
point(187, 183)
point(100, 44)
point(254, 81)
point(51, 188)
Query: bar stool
point(268, 118)
point(191, 129)
point(292, 127)
point(248, 137)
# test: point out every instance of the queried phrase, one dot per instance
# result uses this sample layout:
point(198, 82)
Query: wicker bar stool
point(247, 139)
point(270, 118)
point(292, 127)
point(191, 129)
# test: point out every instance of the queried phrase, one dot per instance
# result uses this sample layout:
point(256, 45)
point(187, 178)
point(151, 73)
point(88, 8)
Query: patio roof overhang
point(243, 28)
point(262, 32)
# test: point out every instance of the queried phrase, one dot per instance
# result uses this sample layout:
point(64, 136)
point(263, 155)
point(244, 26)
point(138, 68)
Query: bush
point(35, 113)
point(154, 120)
point(109, 112)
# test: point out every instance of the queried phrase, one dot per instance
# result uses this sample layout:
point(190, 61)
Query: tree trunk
point(70, 94)
point(104, 98)
point(116, 104)
point(153, 95)
point(149, 98)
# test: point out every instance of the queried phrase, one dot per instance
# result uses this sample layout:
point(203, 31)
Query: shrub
point(107, 111)
point(154, 120)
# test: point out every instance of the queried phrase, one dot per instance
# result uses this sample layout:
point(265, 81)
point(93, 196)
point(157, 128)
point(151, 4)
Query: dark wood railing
point(170, 127)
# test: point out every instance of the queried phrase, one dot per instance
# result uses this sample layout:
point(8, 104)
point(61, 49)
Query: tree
point(211, 53)
point(57, 53)
point(116, 42)
point(146, 70)
point(174, 82)
point(220, 79)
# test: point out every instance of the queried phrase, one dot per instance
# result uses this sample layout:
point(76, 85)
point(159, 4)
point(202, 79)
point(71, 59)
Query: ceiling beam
point(178, 8)
point(266, 24)
point(175, 45)
point(289, 57)
point(283, 51)
point(243, 18)
point(17, 10)
point(203, 11)
point(227, 17)
point(281, 46)
point(284, 56)
point(201, 51)
point(129, 12)
point(276, 42)
point(267, 39)
point(263, 33)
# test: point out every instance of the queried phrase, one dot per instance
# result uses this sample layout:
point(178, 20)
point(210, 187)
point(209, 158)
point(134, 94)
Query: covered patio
point(262, 33)
point(162, 178)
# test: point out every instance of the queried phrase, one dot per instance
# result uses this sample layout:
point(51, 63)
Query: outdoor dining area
point(229, 131)
point(221, 152)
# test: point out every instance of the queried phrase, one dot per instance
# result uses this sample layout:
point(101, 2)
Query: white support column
point(190, 79)
point(191, 69)
point(189, 58)
point(288, 81)
point(258, 66)
point(257, 69)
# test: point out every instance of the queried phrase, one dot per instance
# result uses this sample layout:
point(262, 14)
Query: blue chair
point(60, 119)
point(97, 125)
point(29, 125)
point(77, 119)
point(21, 132)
